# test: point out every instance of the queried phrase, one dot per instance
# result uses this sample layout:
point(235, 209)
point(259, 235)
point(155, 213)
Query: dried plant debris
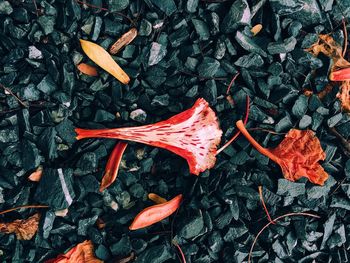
point(24, 229)
point(147, 62)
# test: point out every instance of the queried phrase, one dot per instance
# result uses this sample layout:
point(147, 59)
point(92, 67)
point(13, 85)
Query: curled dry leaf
point(24, 229)
point(156, 213)
point(297, 155)
point(123, 41)
point(102, 58)
point(36, 176)
point(87, 69)
point(82, 253)
point(192, 134)
point(156, 198)
point(112, 166)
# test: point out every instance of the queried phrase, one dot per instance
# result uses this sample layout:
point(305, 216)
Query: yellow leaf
point(101, 57)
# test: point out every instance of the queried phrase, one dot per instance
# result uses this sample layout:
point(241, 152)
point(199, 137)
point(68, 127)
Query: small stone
point(35, 53)
point(162, 100)
point(5, 8)
point(117, 5)
point(138, 115)
point(157, 53)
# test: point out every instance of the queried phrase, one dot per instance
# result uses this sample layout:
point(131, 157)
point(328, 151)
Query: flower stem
point(257, 146)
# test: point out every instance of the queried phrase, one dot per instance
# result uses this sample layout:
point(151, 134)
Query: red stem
point(256, 145)
point(238, 132)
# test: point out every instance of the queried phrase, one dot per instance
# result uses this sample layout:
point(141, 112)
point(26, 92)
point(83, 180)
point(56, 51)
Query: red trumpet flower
point(297, 155)
point(193, 134)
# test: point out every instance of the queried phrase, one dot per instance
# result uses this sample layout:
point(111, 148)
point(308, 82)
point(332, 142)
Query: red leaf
point(193, 134)
point(82, 253)
point(298, 155)
point(156, 213)
point(112, 166)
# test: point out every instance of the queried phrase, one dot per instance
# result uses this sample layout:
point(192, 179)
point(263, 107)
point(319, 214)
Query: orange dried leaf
point(36, 176)
point(112, 166)
point(102, 58)
point(123, 41)
point(24, 229)
point(193, 134)
point(156, 198)
point(87, 69)
point(156, 213)
point(82, 253)
point(297, 155)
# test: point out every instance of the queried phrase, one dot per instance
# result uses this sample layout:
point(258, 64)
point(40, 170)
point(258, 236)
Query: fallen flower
point(123, 41)
point(24, 229)
point(156, 198)
point(298, 154)
point(102, 58)
point(82, 253)
point(156, 213)
point(193, 134)
point(87, 69)
point(112, 166)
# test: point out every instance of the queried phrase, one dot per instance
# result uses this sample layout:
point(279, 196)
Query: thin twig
point(231, 83)
point(15, 96)
point(183, 258)
point(264, 205)
point(266, 130)
point(270, 223)
point(36, 8)
point(343, 142)
point(345, 37)
point(23, 206)
point(201, 77)
point(238, 132)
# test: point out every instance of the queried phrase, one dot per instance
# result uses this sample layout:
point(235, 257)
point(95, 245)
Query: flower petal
point(193, 134)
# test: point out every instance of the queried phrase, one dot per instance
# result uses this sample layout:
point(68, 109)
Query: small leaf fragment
point(123, 41)
point(36, 176)
point(156, 198)
point(102, 58)
point(156, 213)
point(87, 69)
point(112, 166)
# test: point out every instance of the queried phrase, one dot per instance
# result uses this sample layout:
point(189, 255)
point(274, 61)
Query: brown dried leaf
point(123, 41)
point(24, 229)
point(82, 253)
point(327, 45)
